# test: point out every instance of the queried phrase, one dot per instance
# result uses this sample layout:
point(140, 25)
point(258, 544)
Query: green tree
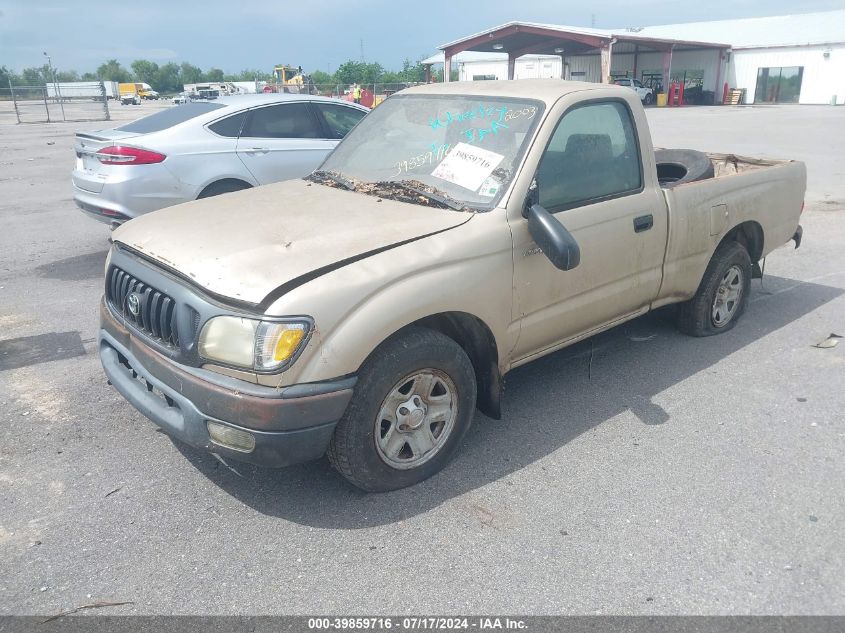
point(89, 77)
point(358, 72)
point(144, 71)
point(7, 76)
point(35, 76)
point(168, 78)
point(67, 75)
point(322, 77)
point(249, 75)
point(113, 71)
point(191, 74)
point(214, 74)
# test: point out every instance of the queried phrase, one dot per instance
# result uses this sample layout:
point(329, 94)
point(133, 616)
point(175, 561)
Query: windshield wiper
point(434, 196)
point(320, 175)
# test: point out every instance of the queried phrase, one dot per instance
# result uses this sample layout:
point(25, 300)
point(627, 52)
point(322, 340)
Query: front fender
point(468, 269)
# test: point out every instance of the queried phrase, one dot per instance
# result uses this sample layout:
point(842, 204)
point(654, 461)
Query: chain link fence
point(56, 102)
point(371, 94)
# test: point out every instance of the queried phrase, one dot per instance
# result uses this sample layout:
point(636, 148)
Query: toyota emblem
point(133, 302)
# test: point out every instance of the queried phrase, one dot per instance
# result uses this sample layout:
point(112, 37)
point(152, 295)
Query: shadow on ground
point(77, 268)
point(547, 404)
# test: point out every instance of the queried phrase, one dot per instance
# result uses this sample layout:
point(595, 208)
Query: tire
point(223, 186)
point(649, 99)
point(729, 271)
point(678, 166)
point(364, 446)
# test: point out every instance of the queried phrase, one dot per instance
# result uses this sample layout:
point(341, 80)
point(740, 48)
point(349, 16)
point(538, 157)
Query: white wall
point(525, 68)
point(823, 77)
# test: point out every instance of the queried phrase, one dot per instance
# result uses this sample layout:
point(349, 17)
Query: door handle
point(643, 223)
point(258, 150)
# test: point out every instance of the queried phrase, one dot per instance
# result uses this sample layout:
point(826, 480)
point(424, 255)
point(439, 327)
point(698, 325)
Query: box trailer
point(81, 89)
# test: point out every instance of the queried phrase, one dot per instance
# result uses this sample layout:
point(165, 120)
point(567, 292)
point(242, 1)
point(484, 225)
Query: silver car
point(203, 149)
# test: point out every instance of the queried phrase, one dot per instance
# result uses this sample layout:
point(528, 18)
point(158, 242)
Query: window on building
point(779, 84)
point(484, 77)
point(592, 155)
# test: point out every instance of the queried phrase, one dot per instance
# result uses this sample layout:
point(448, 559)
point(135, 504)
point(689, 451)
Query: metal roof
point(802, 29)
point(826, 27)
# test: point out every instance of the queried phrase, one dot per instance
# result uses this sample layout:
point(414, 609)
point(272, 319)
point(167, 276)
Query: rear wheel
point(413, 403)
point(649, 99)
point(722, 294)
point(223, 186)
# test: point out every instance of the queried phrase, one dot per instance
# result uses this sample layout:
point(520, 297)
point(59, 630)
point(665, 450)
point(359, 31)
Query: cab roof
point(547, 90)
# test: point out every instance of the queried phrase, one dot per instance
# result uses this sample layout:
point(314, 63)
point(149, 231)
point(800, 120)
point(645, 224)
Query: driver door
point(591, 178)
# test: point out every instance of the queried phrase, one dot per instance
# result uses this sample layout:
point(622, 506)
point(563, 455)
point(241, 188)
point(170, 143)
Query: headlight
point(251, 344)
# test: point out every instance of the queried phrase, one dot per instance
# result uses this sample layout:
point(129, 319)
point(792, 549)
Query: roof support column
point(606, 61)
point(636, 58)
point(511, 65)
point(447, 67)
point(667, 68)
point(563, 66)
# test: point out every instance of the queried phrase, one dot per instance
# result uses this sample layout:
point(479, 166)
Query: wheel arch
point(240, 182)
point(477, 340)
point(750, 235)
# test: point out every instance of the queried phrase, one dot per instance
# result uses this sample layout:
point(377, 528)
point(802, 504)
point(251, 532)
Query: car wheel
point(223, 186)
point(412, 405)
point(679, 166)
point(722, 295)
point(649, 99)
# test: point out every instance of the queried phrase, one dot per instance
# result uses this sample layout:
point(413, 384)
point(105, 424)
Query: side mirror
point(553, 239)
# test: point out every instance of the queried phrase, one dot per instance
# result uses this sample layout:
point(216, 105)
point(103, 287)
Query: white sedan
point(203, 149)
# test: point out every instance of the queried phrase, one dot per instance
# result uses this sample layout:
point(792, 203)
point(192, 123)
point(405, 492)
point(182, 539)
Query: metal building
point(782, 59)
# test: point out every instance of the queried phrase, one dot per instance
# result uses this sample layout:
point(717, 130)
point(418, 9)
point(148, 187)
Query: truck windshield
point(452, 151)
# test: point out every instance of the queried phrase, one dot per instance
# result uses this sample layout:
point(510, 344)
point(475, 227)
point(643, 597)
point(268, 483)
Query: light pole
point(55, 83)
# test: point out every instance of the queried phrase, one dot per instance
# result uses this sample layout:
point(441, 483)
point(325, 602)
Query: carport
point(609, 53)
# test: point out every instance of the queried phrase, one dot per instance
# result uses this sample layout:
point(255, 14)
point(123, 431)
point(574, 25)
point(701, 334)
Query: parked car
point(181, 98)
point(203, 149)
point(645, 93)
point(459, 231)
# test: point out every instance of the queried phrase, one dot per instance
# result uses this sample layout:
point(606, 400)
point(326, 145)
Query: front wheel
point(413, 403)
point(649, 99)
point(722, 294)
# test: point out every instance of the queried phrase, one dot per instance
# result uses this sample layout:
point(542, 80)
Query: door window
point(339, 119)
point(593, 154)
point(289, 120)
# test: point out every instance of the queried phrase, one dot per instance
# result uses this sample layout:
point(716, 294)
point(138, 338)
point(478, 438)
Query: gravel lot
point(667, 475)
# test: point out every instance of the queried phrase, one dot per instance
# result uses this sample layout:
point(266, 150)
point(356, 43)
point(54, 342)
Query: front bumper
point(290, 425)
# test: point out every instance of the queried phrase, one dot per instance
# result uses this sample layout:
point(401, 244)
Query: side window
point(638, 83)
point(230, 126)
point(339, 119)
point(289, 120)
point(593, 154)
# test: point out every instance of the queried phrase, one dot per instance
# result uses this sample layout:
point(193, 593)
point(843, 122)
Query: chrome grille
point(148, 309)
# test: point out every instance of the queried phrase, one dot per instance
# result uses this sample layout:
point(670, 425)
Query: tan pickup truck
point(459, 231)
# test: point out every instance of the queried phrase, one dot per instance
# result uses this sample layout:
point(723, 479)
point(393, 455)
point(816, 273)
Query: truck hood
point(253, 244)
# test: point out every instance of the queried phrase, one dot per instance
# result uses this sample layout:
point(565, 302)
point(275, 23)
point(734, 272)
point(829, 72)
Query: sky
point(318, 35)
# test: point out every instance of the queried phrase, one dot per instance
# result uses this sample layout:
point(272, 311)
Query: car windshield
point(449, 151)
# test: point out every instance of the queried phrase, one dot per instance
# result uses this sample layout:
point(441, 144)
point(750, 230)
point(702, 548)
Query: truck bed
point(764, 196)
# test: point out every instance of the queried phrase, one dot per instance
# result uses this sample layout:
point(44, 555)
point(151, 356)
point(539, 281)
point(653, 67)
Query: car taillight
point(125, 155)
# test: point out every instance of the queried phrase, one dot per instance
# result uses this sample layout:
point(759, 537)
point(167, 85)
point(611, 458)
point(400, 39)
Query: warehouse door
point(779, 84)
